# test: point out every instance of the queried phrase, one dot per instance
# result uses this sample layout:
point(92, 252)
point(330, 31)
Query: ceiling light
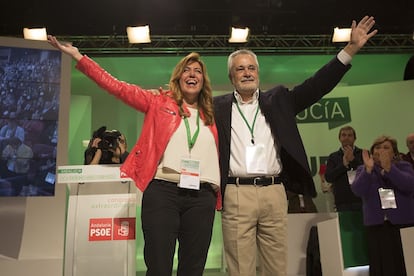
point(35, 33)
point(138, 34)
point(341, 35)
point(239, 35)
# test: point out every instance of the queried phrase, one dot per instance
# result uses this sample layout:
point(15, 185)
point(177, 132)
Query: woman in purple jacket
point(386, 185)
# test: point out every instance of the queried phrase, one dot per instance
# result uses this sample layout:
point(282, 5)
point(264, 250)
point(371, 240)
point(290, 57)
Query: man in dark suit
point(409, 156)
point(261, 149)
point(340, 171)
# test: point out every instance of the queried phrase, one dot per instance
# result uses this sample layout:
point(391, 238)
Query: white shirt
point(241, 136)
point(204, 150)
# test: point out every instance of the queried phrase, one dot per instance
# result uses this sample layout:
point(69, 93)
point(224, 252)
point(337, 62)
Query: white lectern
point(100, 230)
point(407, 239)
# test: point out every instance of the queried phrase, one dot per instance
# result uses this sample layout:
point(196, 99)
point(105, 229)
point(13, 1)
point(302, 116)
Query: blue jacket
point(401, 179)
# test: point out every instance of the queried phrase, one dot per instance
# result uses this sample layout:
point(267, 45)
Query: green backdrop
point(377, 100)
point(153, 72)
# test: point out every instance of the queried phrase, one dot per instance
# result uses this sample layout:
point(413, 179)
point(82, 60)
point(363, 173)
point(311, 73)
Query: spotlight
point(138, 34)
point(341, 35)
point(35, 33)
point(239, 35)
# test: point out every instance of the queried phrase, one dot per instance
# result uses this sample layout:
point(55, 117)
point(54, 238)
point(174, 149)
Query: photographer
point(106, 147)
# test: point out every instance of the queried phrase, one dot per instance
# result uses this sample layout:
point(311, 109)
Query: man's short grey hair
point(240, 52)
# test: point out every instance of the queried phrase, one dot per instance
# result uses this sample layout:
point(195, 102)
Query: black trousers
point(385, 250)
point(169, 214)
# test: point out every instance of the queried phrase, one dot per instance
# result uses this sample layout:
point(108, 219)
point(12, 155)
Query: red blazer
point(161, 120)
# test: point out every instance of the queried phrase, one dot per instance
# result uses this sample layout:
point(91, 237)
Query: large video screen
point(30, 89)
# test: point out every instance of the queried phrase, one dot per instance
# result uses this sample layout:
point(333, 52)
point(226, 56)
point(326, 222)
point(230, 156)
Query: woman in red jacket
point(174, 162)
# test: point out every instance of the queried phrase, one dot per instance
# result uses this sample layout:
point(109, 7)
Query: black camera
point(109, 140)
point(108, 144)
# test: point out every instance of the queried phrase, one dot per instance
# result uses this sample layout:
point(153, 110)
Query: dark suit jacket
point(280, 107)
point(336, 173)
point(407, 157)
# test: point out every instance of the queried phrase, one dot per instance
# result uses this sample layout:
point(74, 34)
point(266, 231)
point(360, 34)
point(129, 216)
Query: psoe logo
point(334, 111)
point(124, 229)
point(106, 229)
point(100, 229)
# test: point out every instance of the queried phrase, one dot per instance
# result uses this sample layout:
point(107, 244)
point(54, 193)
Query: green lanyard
point(251, 128)
point(191, 141)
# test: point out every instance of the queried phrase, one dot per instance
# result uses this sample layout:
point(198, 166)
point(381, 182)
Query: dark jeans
point(169, 214)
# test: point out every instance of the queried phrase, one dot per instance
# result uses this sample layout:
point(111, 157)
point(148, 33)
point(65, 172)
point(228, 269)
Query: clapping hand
point(348, 155)
point(368, 161)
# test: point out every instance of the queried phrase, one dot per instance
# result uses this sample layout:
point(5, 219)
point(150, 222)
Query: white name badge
point(256, 159)
point(190, 174)
point(387, 197)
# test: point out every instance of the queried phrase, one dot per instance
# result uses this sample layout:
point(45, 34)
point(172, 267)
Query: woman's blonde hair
point(205, 98)
point(384, 138)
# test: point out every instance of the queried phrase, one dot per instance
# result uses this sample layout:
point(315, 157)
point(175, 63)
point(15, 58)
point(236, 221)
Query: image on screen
point(29, 109)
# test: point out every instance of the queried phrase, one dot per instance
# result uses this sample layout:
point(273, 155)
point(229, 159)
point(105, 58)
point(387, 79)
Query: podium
point(101, 221)
point(407, 239)
point(343, 245)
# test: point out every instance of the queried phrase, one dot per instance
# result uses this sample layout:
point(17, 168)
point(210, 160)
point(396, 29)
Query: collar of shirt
point(253, 100)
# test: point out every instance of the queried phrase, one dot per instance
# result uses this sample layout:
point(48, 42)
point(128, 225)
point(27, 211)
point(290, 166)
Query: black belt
point(259, 180)
point(203, 185)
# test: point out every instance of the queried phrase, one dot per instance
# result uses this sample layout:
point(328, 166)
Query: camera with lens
point(108, 144)
point(109, 140)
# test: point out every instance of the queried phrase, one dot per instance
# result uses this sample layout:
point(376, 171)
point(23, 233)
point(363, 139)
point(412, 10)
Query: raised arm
point(66, 48)
point(360, 34)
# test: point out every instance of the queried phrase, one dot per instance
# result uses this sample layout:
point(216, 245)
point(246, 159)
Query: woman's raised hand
point(66, 48)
